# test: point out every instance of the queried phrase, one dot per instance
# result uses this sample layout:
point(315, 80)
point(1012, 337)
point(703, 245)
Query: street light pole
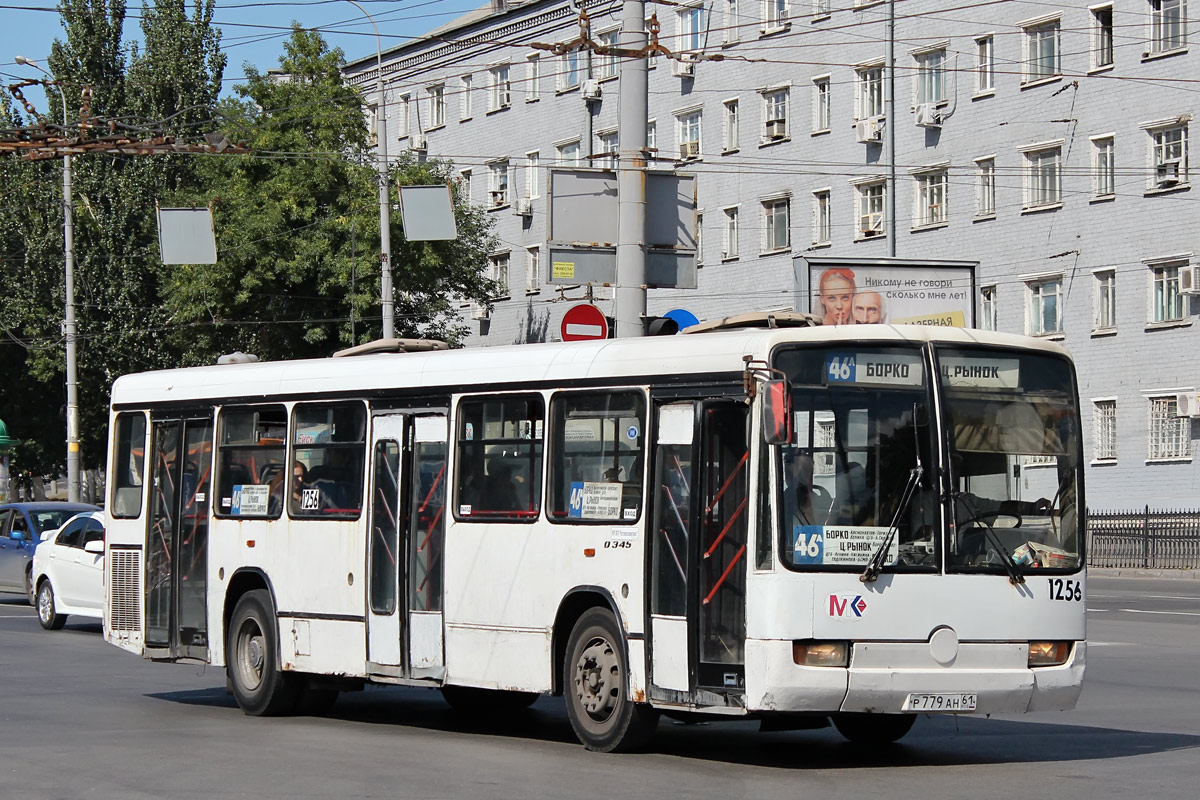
point(69, 321)
point(385, 212)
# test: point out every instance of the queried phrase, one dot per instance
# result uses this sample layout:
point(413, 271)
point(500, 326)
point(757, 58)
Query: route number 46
point(841, 368)
point(1065, 590)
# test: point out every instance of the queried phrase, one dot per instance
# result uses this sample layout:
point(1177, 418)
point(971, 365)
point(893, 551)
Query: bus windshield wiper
point(875, 564)
point(1014, 575)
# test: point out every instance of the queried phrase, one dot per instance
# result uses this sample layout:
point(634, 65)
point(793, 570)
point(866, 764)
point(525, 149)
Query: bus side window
point(251, 445)
point(329, 449)
point(130, 456)
point(597, 444)
point(499, 455)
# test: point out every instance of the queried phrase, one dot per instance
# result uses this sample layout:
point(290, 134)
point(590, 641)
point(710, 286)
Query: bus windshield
point(1013, 436)
point(862, 428)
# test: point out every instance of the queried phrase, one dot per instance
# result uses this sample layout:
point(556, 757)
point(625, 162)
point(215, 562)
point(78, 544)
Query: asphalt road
point(83, 719)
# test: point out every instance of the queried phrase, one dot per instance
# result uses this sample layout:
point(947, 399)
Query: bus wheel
point(472, 699)
point(874, 729)
point(596, 687)
point(47, 616)
point(252, 659)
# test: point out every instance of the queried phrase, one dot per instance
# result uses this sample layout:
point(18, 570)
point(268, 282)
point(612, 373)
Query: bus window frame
point(502, 517)
point(125, 458)
point(365, 453)
point(219, 448)
point(551, 452)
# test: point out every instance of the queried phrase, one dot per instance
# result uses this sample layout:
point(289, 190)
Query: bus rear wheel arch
point(595, 684)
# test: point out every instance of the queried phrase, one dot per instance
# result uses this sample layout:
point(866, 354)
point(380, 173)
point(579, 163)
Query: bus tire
point(252, 659)
point(47, 616)
point(596, 688)
point(472, 699)
point(874, 729)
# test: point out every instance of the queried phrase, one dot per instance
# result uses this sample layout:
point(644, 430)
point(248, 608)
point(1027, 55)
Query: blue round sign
point(683, 318)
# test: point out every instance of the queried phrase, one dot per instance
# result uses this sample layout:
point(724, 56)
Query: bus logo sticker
point(847, 606)
point(310, 499)
point(632, 433)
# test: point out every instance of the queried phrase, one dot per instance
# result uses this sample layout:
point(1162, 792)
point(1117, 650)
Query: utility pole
point(69, 320)
point(890, 127)
point(385, 210)
point(629, 297)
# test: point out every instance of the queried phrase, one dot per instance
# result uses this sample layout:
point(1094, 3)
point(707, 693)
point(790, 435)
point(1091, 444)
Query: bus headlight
point(808, 653)
point(1048, 654)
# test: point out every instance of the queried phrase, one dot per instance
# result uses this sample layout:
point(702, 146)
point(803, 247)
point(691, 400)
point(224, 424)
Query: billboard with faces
point(845, 292)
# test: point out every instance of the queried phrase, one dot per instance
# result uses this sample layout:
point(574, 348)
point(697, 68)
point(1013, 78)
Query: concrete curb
point(1130, 572)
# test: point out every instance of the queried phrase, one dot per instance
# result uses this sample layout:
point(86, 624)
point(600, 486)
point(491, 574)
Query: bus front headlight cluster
point(1048, 654)
point(809, 653)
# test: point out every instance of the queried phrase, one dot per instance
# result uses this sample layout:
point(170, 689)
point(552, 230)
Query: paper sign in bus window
point(310, 499)
point(595, 500)
point(250, 499)
point(838, 546)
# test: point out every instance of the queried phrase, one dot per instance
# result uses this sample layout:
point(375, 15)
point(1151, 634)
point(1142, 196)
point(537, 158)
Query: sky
point(252, 30)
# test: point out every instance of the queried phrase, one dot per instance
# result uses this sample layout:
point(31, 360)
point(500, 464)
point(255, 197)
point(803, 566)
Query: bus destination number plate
point(957, 701)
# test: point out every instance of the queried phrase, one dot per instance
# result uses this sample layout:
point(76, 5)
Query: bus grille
point(124, 600)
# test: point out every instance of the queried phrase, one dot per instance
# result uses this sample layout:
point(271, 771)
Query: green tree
point(298, 228)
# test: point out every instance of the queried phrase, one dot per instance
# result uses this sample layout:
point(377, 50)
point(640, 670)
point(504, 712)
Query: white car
point(68, 571)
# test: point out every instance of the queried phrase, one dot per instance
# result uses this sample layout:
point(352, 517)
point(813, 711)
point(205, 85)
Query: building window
point(699, 240)
point(821, 104)
point(871, 203)
point(609, 145)
point(465, 183)
point(1041, 51)
point(1043, 177)
point(931, 198)
point(467, 97)
point(533, 79)
point(985, 187)
point(498, 183)
point(868, 89)
point(1166, 299)
point(822, 217)
point(931, 76)
point(775, 14)
point(533, 269)
point(568, 154)
point(987, 308)
point(651, 136)
point(570, 71)
point(731, 126)
point(1104, 177)
point(437, 105)
point(687, 128)
point(501, 95)
point(1106, 301)
point(1168, 25)
point(730, 235)
point(607, 67)
point(1044, 311)
point(1170, 434)
point(533, 174)
point(733, 22)
point(1104, 424)
point(691, 29)
point(985, 64)
point(1169, 156)
point(498, 271)
point(1102, 37)
point(821, 8)
point(405, 115)
point(775, 115)
point(777, 224)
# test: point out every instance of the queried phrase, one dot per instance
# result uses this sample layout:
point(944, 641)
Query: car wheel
point(50, 620)
point(596, 688)
point(252, 659)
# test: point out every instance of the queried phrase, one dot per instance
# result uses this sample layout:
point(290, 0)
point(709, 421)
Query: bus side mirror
point(777, 412)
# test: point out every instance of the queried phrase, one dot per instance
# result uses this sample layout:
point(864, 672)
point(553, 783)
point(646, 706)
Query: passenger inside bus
point(500, 492)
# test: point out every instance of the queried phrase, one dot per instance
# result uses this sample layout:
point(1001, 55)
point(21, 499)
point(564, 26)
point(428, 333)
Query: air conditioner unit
point(689, 150)
point(498, 197)
point(776, 129)
point(419, 142)
point(524, 208)
point(1187, 404)
point(869, 129)
point(1189, 279)
point(928, 116)
point(685, 68)
point(870, 224)
point(591, 89)
point(1166, 173)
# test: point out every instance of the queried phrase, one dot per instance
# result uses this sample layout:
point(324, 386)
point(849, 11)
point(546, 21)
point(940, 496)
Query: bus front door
point(177, 537)
point(406, 528)
point(698, 553)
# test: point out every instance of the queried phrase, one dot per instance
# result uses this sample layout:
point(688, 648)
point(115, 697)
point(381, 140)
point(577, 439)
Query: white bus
point(855, 524)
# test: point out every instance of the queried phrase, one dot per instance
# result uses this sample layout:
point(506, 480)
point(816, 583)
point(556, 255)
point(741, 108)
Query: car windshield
point(862, 426)
point(1014, 460)
point(48, 519)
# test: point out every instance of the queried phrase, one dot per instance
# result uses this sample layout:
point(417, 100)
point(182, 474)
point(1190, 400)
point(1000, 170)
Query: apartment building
point(1046, 143)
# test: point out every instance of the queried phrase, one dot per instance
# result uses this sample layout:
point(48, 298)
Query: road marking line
point(1175, 613)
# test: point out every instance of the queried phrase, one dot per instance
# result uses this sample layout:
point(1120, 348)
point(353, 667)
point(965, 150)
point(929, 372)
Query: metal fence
point(1161, 539)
